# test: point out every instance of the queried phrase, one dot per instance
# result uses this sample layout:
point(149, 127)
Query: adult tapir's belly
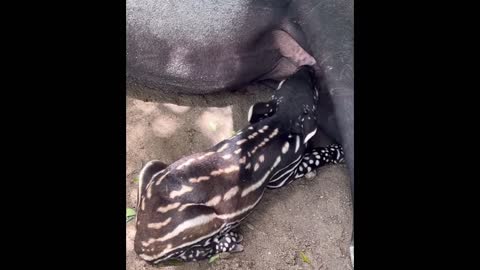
point(198, 46)
point(202, 46)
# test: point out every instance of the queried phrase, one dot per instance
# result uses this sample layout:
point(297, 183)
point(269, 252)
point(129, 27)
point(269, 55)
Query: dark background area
point(66, 73)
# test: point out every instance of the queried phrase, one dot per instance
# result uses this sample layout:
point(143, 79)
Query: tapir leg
point(319, 157)
point(226, 242)
point(313, 159)
point(229, 242)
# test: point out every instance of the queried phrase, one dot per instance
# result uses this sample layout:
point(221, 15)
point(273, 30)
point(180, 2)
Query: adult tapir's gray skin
point(205, 46)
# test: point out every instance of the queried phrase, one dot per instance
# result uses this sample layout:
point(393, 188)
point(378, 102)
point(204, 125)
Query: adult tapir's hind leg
point(313, 159)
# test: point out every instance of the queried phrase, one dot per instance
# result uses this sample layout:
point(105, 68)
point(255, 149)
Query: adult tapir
point(206, 46)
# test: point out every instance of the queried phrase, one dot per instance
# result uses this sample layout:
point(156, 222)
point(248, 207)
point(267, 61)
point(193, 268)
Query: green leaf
point(135, 180)
point(213, 258)
point(305, 258)
point(130, 214)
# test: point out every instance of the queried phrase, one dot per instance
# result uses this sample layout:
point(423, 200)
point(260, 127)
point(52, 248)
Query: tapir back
point(208, 193)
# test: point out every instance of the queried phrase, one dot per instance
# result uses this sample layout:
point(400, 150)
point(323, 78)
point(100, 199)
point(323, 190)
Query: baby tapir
point(187, 210)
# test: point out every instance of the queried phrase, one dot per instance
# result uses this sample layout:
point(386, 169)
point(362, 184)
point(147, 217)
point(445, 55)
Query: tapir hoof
point(310, 175)
point(237, 248)
point(240, 238)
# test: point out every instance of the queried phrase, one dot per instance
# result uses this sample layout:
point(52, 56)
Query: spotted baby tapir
point(187, 210)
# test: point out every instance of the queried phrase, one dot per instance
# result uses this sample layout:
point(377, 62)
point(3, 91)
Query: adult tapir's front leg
point(313, 159)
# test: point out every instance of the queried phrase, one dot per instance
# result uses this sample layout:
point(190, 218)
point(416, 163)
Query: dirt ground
point(313, 215)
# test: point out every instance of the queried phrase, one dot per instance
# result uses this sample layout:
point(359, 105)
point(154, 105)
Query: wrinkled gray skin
point(206, 46)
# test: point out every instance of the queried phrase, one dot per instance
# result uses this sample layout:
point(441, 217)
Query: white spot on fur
point(285, 147)
point(214, 201)
point(285, 174)
point(187, 205)
point(158, 225)
point(230, 193)
point(161, 178)
point(274, 133)
point(205, 155)
point(259, 183)
point(280, 84)
point(250, 111)
point(142, 205)
point(187, 224)
point(188, 162)
point(222, 148)
point(297, 143)
point(241, 141)
point(180, 192)
point(230, 169)
point(310, 135)
point(149, 192)
point(199, 179)
point(164, 209)
point(261, 158)
point(253, 135)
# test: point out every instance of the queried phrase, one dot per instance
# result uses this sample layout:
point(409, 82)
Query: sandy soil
point(313, 215)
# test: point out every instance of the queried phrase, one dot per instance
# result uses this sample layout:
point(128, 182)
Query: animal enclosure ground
point(313, 216)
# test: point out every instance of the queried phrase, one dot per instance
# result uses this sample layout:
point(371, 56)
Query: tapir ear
point(147, 172)
point(261, 110)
